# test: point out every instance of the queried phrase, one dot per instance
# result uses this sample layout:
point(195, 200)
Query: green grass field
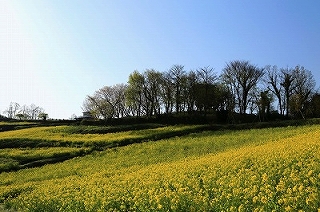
point(272, 169)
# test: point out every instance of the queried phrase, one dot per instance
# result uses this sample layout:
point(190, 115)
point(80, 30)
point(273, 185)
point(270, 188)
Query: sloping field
point(88, 136)
point(39, 145)
point(250, 170)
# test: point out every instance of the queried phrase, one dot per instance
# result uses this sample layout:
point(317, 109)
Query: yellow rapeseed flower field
point(61, 134)
point(36, 152)
point(274, 169)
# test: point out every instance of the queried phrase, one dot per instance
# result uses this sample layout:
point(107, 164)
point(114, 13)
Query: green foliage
point(43, 116)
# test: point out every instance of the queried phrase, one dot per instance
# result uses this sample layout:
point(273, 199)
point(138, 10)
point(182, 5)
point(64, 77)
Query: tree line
point(241, 88)
point(25, 112)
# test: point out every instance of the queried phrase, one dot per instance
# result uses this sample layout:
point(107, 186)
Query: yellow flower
point(264, 177)
point(288, 208)
point(264, 199)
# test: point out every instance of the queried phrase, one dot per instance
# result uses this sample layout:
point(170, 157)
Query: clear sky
point(54, 53)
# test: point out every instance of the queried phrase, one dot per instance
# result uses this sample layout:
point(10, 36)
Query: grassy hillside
point(260, 169)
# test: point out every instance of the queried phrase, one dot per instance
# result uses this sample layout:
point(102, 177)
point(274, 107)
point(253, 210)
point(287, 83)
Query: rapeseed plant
point(276, 173)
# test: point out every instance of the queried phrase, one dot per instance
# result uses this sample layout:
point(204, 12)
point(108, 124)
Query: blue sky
point(54, 53)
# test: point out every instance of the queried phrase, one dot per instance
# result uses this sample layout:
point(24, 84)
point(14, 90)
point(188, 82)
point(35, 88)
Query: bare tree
point(95, 106)
point(12, 110)
point(264, 104)
point(287, 82)
point(303, 89)
point(23, 112)
point(107, 102)
point(190, 93)
point(120, 100)
point(273, 80)
point(241, 77)
point(34, 111)
point(167, 94)
point(177, 73)
point(206, 88)
point(206, 75)
point(152, 92)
